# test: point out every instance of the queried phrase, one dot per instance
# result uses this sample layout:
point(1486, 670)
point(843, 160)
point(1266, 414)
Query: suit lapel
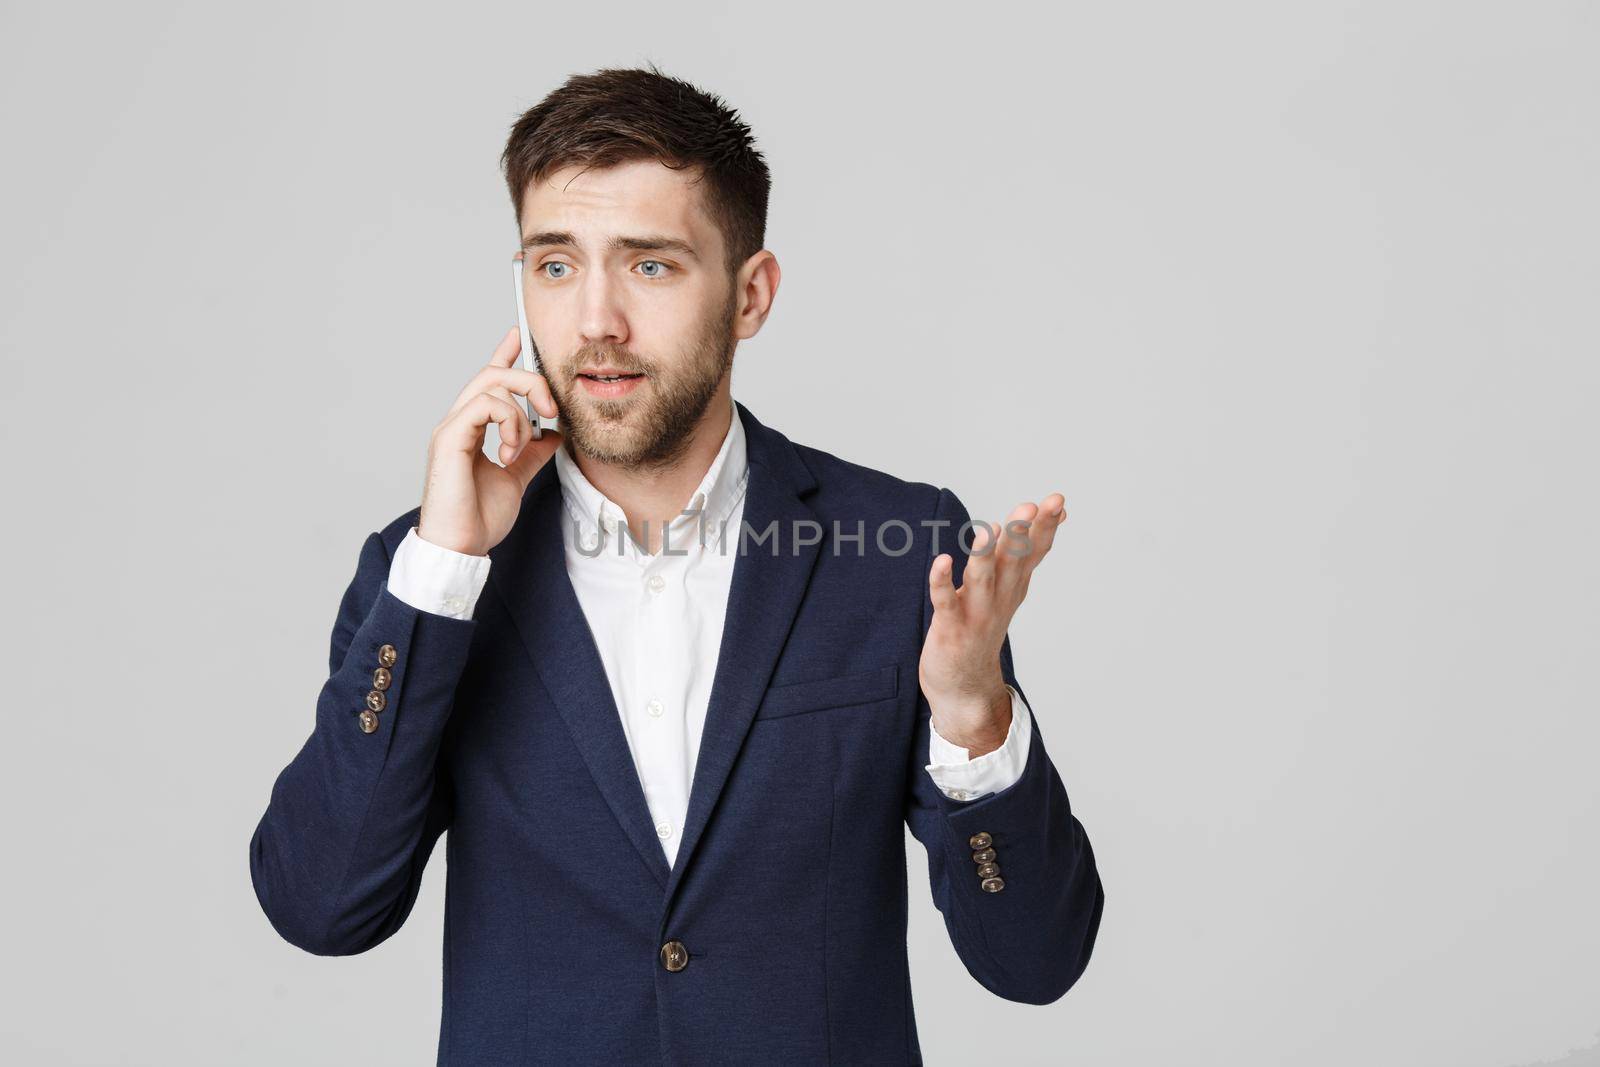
point(529, 573)
point(763, 600)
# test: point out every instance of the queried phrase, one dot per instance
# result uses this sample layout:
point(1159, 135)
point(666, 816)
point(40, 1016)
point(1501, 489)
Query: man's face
point(600, 299)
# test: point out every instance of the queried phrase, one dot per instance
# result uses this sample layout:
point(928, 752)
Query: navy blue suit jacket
point(788, 895)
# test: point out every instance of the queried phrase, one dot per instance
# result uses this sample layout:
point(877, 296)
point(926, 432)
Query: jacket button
point(983, 855)
point(674, 957)
point(386, 656)
point(369, 721)
point(376, 700)
point(381, 678)
point(992, 885)
point(988, 870)
point(980, 840)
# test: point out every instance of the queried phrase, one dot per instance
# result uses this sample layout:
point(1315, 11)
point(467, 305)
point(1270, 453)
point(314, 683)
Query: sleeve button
point(993, 885)
point(387, 655)
point(369, 721)
point(981, 839)
point(376, 700)
point(381, 678)
point(983, 855)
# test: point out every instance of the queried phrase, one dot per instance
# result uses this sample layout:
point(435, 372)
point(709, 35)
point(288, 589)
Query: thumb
point(534, 455)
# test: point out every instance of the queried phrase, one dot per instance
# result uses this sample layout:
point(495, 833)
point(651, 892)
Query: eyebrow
point(647, 243)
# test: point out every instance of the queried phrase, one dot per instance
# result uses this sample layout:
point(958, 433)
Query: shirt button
point(455, 603)
point(656, 583)
point(655, 708)
point(663, 830)
point(958, 794)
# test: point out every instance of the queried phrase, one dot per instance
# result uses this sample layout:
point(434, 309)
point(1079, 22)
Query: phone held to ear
point(530, 355)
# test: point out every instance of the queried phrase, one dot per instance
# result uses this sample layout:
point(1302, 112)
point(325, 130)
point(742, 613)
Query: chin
point(608, 441)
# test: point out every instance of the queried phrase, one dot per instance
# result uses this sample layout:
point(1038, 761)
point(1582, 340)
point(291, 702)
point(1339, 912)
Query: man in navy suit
point(672, 681)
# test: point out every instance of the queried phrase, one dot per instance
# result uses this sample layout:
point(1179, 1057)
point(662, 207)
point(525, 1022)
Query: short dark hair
point(618, 115)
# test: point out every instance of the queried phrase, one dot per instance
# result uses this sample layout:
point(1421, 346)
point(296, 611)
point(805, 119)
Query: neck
point(658, 496)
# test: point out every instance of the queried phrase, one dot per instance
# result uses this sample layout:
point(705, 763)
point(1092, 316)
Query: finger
point(1014, 549)
point(979, 572)
point(509, 348)
point(538, 391)
point(516, 433)
point(941, 590)
point(464, 431)
point(504, 355)
point(506, 381)
point(1018, 538)
point(511, 422)
point(1052, 513)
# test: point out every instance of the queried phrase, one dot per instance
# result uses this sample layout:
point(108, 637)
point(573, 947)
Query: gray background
point(1295, 303)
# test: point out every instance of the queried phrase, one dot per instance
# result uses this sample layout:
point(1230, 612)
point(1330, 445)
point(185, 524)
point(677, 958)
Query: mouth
point(608, 385)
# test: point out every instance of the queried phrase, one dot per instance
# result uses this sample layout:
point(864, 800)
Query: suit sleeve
point(337, 858)
point(1024, 931)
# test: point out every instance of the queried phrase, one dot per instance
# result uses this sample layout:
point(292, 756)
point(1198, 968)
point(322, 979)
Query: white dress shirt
point(657, 621)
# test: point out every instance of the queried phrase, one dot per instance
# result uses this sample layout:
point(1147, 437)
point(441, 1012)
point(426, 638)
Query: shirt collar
point(710, 503)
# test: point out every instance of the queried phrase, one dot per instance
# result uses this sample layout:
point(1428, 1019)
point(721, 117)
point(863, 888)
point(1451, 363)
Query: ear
point(755, 288)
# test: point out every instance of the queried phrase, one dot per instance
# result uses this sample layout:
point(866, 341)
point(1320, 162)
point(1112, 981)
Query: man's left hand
point(960, 667)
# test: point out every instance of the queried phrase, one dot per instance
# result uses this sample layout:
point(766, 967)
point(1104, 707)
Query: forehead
point(640, 196)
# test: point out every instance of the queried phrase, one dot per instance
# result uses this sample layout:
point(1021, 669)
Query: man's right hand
point(469, 502)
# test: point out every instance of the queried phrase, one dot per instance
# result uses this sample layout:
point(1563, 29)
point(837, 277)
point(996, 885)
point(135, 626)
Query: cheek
point(684, 312)
point(662, 328)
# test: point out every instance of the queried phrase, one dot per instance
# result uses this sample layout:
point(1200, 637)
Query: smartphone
point(530, 354)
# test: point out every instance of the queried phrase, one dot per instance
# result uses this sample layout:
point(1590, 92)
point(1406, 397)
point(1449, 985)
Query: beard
point(650, 427)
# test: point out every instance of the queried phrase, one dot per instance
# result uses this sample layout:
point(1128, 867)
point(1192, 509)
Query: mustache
point(620, 362)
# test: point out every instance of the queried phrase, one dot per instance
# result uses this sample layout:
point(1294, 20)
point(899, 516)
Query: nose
point(601, 320)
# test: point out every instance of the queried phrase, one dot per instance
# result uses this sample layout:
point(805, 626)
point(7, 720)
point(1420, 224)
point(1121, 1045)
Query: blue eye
point(664, 268)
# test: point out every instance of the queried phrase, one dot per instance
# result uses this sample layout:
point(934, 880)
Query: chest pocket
point(844, 690)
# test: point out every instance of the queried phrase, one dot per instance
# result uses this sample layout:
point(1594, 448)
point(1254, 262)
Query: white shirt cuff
point(960, 778)
point(436, 579)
